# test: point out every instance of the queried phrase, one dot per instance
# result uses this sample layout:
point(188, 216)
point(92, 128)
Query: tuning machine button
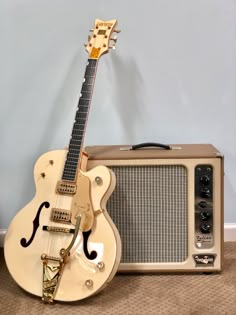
point(114, 39)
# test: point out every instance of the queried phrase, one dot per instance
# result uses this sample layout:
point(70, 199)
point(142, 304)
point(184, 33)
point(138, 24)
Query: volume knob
point(205, 228)
point(205, 192)
point(205, 215)
point(205, 179)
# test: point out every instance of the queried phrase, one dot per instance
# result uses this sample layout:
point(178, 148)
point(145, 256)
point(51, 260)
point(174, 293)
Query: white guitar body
point(81, 277)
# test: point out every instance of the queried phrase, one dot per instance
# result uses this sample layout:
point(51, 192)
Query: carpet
point(165, 294)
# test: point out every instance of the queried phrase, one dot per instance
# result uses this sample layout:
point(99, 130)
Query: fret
point(85, 96)
point(69, 174)
point(76, 133)
point(72, 157)
point(80, 118)
point(83, 102)
point(87, 88)
point(89, 80)
point(76, 143)
point(72, 164)
point(69, 178)
point(76, 138)
point(77, 126)
point(71, 171)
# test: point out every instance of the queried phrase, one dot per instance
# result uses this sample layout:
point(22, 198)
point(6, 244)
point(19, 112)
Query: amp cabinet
point(167, 206)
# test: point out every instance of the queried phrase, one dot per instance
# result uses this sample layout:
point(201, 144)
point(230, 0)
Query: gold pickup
point(66, 188)
point(60, 215)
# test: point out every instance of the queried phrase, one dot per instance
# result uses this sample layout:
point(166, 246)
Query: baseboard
point(229, 233)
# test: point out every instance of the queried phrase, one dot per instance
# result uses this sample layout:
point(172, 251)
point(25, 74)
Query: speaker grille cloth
point(149, 208)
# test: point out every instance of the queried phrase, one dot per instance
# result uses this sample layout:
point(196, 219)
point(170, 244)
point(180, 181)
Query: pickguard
point(23, 241)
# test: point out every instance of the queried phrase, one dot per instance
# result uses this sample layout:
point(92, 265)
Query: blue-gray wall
point(172, 80)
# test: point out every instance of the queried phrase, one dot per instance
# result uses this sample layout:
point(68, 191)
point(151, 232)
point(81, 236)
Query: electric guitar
point(63, 245)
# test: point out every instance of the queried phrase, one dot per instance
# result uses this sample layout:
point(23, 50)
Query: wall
point(171, 80)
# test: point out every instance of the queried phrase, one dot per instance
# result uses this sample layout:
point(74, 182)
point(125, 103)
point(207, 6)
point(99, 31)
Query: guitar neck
point(81, 117)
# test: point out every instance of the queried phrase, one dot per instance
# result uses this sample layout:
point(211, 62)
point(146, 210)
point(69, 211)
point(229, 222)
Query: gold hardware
point(52, 271)
point(89, 283)
point(81, 203)
point(51, 275)
point(117, 31)
point(66, 188)
point(98, 180)
point(57, 229)
point(100, 265)
point(43, 175)
point(60, 215)
point(66, 252)
point(51, 162)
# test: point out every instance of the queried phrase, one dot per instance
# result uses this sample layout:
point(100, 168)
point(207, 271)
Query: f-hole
point(23, 241)
point(93, 254)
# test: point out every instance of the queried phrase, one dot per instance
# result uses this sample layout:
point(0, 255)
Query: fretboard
point(78, 131)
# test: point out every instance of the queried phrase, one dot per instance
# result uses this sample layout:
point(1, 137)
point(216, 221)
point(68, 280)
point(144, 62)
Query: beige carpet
point(168, 294)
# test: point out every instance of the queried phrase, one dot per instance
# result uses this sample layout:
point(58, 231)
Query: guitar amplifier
point(167, 205)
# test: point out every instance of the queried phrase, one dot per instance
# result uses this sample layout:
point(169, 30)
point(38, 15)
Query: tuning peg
point(92, 29)
point(112, 47)
point(89, 38)
point(114, 39)
point(117, 31)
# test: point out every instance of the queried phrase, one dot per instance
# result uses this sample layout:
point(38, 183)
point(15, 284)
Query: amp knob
point(205, 192)
point(205, 215)
point(205, 228)
point(205, 179)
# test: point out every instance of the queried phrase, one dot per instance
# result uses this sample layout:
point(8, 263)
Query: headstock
point(99, 40)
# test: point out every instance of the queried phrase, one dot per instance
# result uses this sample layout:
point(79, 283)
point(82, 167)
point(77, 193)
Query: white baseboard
point(229, 231)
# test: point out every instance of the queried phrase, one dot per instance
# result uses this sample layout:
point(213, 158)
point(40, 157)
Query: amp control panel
point(204, 211)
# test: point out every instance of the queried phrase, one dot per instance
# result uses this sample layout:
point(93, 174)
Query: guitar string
point(60, 200)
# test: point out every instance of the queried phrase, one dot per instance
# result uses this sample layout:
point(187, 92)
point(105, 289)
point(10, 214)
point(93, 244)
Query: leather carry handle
point(146, 145)
point(150, 144)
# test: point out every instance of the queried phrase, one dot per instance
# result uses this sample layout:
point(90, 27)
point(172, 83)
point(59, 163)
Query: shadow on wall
point(66, 96)
point(128, 95)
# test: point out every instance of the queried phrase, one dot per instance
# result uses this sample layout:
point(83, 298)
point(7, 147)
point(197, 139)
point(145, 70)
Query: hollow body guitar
point(63, 245)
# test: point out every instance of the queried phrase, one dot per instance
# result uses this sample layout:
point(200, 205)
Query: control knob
point(205, 215)
point(205, 228)
point(205, 179)
point(205, 192)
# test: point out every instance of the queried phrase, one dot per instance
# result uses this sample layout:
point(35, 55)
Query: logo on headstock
point(104, 24)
